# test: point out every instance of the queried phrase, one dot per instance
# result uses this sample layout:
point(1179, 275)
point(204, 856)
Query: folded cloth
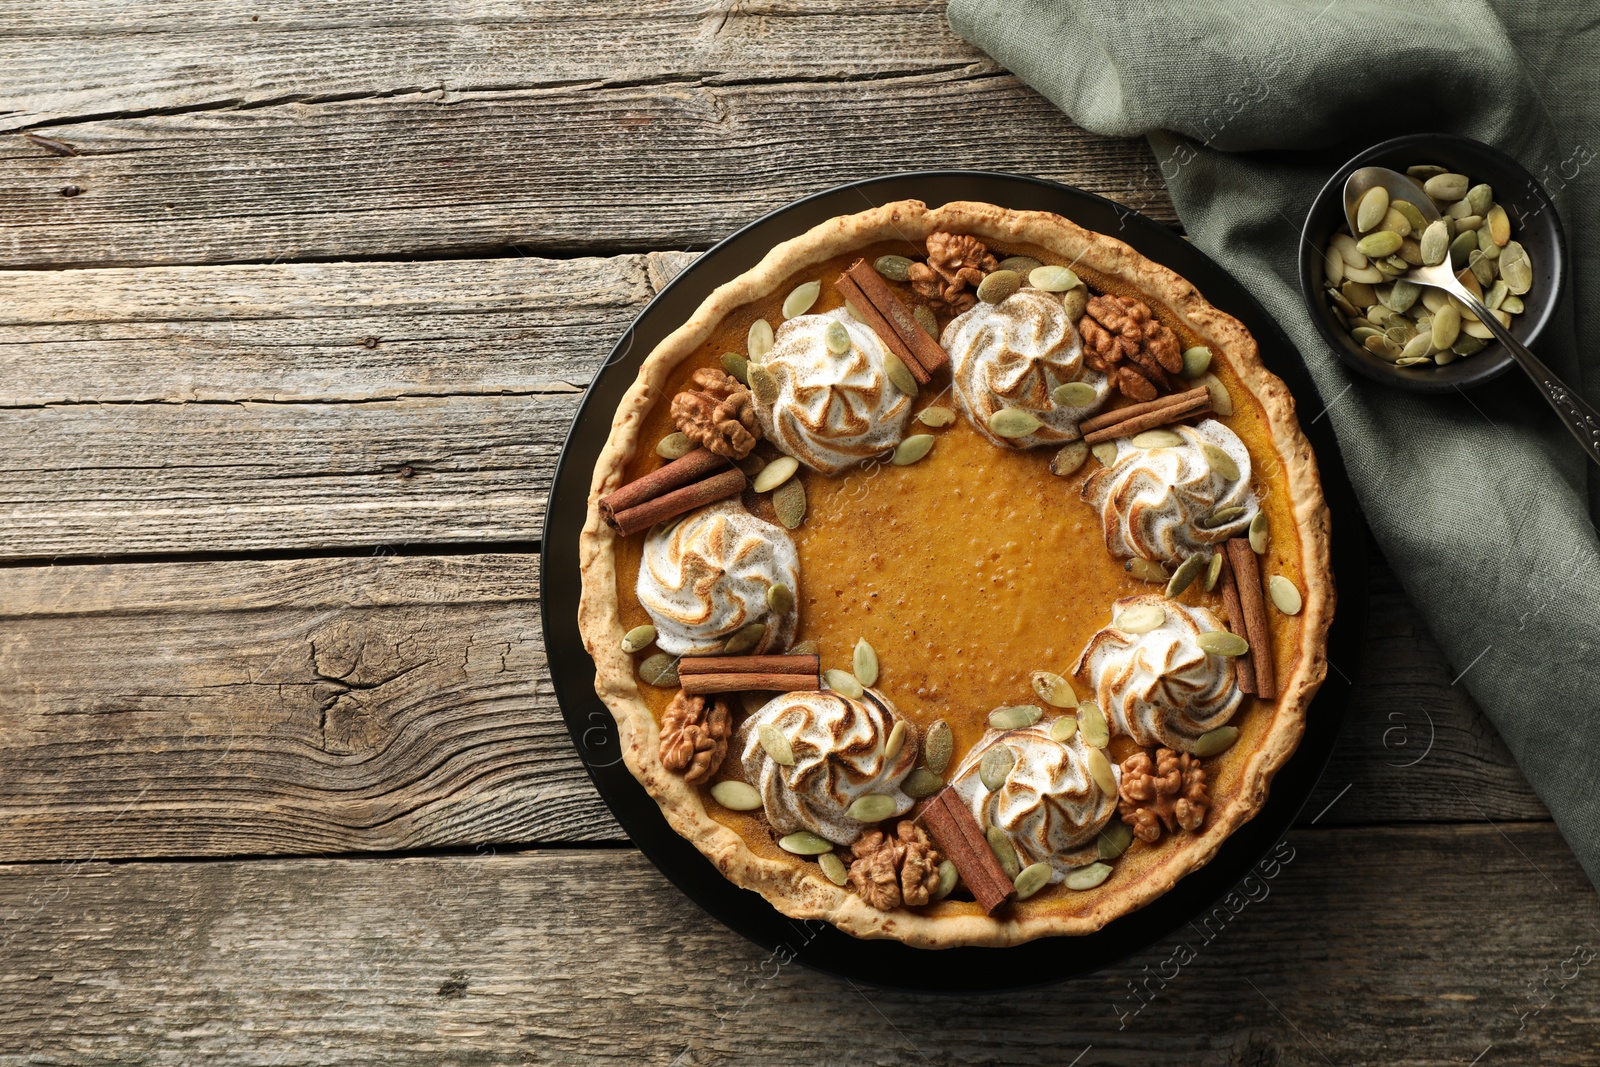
point(1482, 505)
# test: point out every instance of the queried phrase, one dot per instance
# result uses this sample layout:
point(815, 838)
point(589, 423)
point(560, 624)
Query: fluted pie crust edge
point(799, 890)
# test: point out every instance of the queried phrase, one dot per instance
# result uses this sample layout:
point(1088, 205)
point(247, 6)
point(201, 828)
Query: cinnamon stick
point(670, 505)
point(877, 292)
point(879, 325)
point(675, 475)
point(1253, 602)
point(748, 665)
point(1243, 670)
point(960, 838)
point(1149, 420)
point(1111, 418)
point(697, 684)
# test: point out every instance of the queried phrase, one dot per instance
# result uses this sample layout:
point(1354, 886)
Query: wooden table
point(298, 302)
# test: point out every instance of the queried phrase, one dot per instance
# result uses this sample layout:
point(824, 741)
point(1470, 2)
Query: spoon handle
point(1576, 414)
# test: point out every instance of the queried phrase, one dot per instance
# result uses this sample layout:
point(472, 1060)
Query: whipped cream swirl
point(1011, 355)
point(1049, 805)
point(1161, 687)
point(708, 575)
point(833, 410)
point(1158, 503)
point(839, 757)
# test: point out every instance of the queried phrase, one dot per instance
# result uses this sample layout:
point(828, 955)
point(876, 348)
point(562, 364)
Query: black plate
point(819, 945)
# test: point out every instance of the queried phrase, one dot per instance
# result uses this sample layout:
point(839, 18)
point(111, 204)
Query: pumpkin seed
point(674, 446)
point(1220, 461)
point(1063, 728)
point(790, 503)
point(1184, 576)
point(1074, 395)
point(1023, 265)
point(1469, 222)
point(1482, 267)
point(1360, 293)
point(1464, 244)
point(1379, 243)
point(1221, 402)
point(745, 638)
point(775, 474)
point(800, 299)
point(1146, 570)
point(1285, 597)
point(1513, 304)
point(1380, 345)
point(1157, 439)
point(1443, 358)
point(736, 796)
point(1105, 452)
point(1214, 571)
point(936, 416)
point(1223, 516)
point(1516, 268)
point(1258, 533)
point(759, 341)
point(1447, 186)
point(1015, 717)
point(1053, 279)
point(1410, 213)
point(995, 765)
point(1092, 724)
point(763, 386)
point(1196, 361)
point(659, 670)
point(640, 637)
point(1012, 423)
point(1411, 251)
point(1395, 222)
point(837, 337)
point(804, 648)
point(1213, 742)
point(897, 740)
point(842, 682)
point(833, 867)
point(1370, 211)
point(1053, 689)
point(998, 285)
point(895, 268)
point(865, 661)
point(1069, 459)
point(1486, 243)
point(912, 449)
point(775, 745)
point(1423, 171)
point(1075, 301)
point(1446, 326)
point(898, 374)
point(1499, 225)
point(873, 807)
point(1140, 618)
point(947, 881)
point(1404, 295)
point(1222, 643)
point(1332, 266)
point(937, 747)
point(855, 313)
point(805, 843)
point(1412, 361)
point(1100, 771)
point(1114, 840)
point(780, 599)
point(1004, 851)
point(736, 365)
point(1032, 878)
point(1416, 348)
point(1400, 335)
point(1480, 197)
point(925, 319)
point(921, 783)
point(1367, 276)
point(1088, 877)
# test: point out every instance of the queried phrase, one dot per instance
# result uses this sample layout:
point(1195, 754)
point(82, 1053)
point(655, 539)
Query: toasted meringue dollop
point(1012, 355)
point(838, 745)
point(1157, 503)
point(833, 410)
point(1049, 805)
point(704, 578)
point(1161, 687)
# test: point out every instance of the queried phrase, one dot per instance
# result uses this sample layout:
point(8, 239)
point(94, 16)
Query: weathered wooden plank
point(602, 166)
point(1407, 947)
point(294, 706)
point(362, 704)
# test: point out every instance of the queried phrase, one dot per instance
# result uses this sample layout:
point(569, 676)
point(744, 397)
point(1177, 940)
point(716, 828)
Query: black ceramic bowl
point(1533, 222)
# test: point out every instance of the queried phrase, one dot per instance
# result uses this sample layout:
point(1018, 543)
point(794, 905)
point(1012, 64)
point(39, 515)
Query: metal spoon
point(1581, 419)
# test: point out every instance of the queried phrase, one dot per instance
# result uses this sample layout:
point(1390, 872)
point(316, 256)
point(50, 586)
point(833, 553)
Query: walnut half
point(1169, 792)
point(956, 265)
point(1123, 339)
point(694, 736)
point(888, 871)
point(717, 413)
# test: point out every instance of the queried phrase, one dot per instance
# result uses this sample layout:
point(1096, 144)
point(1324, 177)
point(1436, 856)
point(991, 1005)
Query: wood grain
point(1402, 946)
point(395, 702)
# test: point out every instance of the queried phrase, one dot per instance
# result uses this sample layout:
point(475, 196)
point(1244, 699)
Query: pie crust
point(795, 885)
